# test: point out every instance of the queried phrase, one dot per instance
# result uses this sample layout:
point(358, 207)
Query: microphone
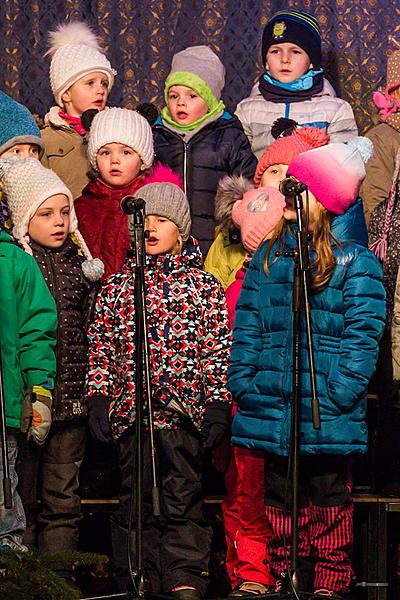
point(290, 186)
point(130, 204)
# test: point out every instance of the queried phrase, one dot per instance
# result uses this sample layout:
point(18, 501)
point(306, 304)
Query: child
point(293, 84)
point(227, 253)
point(197, 138)
point(189, 342)
point(27, 341)
point(347, 317)
point(81, 78)
point(19, 134)
point(120, 151)
point(42, 212)
point(386, 139)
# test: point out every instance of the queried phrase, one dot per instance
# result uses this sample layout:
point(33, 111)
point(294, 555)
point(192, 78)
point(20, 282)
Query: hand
point(216, 424)
point(99, 424)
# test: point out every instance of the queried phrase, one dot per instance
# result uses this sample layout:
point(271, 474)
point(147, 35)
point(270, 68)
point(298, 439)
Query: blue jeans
point(12, 520)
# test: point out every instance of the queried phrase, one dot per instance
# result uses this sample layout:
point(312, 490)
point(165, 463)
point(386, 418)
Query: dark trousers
point(325, 525)
point(48, 485)
point(176, 545)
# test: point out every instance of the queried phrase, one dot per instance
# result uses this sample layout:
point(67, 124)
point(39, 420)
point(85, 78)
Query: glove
point(99, 424)
point(40, 414)
point(216, 424)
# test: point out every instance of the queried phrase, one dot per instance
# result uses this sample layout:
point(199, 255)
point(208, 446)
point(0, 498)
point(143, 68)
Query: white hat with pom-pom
point(26, 185)
point(75, 52)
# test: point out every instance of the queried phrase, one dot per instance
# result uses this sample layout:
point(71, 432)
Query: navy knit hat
point(17, 125)
point(297, 27)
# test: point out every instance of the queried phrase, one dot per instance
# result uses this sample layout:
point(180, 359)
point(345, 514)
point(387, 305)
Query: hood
point(351, 225)
point(327, 90)
point(190, 258)
point(6, 237)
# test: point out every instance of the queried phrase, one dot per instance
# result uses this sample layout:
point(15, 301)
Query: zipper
point(185, 146)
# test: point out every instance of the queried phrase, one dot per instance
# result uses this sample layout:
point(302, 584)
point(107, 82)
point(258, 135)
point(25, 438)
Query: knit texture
point(284, 149)
point(75, 52)
point(121, 126)
point(256, 214)
point(17, 125)
point(297, 27)
point(200, 61)
point(334, 173)
point(169, 201)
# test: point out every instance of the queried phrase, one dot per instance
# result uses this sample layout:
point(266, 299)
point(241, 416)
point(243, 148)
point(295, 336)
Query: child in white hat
point(120, 152)
point(43, 216)
point(81, 78)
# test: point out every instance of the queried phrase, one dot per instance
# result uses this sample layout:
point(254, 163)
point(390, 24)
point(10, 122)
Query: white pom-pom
point(363, 145)
point(93, 269)
point(72, 34)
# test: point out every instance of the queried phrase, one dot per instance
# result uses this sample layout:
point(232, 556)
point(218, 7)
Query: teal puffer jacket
point(347, 320)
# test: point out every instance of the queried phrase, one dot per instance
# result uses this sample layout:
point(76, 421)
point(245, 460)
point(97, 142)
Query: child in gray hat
point(189, 339)
point(198, 138)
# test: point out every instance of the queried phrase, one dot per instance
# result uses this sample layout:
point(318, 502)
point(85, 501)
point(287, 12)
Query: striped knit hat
point(297, 27)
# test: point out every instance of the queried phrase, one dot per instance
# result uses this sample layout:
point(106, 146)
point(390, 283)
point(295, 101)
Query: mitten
point(216, 424)
point(41, 414)
point(99, 424)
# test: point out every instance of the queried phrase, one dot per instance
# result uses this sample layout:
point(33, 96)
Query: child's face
point(22, 151)
point(164, 236)
point(49, 226)
point(314, 209)
point(287, 62)
point(184, 105)
point(90, 91)
point(273, 176)
point(118, 164)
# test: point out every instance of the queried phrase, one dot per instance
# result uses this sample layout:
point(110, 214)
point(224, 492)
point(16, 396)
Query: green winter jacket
point(28, 324)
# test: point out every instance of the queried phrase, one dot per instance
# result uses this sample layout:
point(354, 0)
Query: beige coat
point(65, 152)
point(380, 168)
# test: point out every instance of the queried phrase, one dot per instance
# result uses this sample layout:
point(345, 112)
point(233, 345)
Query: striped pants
point(325, 526)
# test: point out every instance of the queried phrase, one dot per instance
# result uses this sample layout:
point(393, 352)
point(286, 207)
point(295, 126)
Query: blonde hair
point(322, 242)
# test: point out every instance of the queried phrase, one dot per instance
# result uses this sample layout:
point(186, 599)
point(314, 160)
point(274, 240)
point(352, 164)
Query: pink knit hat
point(256, 214)
point(284, 149)
point(334, 173)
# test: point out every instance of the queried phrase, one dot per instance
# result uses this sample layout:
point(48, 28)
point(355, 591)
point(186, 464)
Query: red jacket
point(103, 224)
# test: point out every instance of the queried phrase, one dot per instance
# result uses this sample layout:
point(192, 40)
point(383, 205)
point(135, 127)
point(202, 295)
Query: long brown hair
point(322, 241)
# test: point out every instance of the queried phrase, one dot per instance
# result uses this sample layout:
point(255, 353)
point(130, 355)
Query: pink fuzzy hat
point(334, 173)
point(256, 214)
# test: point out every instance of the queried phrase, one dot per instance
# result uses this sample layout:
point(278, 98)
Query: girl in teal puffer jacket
point(347, 319)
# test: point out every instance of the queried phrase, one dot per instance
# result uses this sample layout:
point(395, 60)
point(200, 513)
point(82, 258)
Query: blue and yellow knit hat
point(297, 27)
point(17, 125)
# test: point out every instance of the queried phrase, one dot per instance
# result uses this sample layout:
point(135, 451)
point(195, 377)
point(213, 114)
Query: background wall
point(141, 36)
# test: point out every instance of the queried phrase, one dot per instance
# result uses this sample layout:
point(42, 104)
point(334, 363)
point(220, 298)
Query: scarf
point(304, 88)
point(73, 122)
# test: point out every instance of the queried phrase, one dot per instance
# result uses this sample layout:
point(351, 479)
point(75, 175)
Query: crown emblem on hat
point(278, 30)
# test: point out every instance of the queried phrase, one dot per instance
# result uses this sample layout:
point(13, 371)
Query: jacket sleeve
point(102, 364)
point(37, 315)
point(246, 346)
point(240, 113)
point(216, 345)
point(396, 331)
point(343, 125)
point(380, 168)
point(242, 160)
point(364, 321)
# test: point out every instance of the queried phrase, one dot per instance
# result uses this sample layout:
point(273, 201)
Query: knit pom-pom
point(314, 136)
point(230, 189)
point(162, 174)
point(93, 269)
point(363, 145)
point(283, 127)
point(72, 34)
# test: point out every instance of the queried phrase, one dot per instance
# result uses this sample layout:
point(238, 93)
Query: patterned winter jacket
point(189, 338)
point(324, 110)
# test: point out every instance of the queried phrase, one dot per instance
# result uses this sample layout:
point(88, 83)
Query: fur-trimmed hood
point(230, 189)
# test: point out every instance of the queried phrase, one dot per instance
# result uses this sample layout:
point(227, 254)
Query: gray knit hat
point(200, 61)
point(122, 126)
point(26, 185)
point(169, 201)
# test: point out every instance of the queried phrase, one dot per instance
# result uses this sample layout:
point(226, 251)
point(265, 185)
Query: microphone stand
point(142, 360)
point(300, 305)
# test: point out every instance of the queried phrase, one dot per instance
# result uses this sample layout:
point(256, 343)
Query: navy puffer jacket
point(220, 148)
point(347, 320)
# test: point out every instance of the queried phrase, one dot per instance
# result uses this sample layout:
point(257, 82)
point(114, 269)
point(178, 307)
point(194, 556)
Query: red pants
point(247, 530)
